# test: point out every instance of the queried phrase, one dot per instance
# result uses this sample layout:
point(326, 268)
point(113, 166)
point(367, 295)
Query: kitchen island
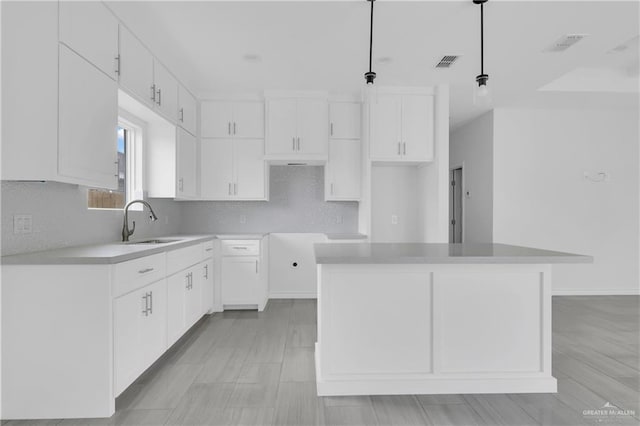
point(434, 318)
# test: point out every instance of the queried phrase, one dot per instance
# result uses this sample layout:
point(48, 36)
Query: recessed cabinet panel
point(136, 67)
point(313, 134)
point(166, 87)
point(88, 117)
point(217, 119)
point(241, 280)
point(344, 120)
point(281, 126)
point(385, 127)
point(248, 120)
point(186, 182)
point(343, 170)
point(216, 168)
point(187, 110)
point(417, 127)
point(153, 336)
point(250, 168)
point(91, 30)
point(176, 290)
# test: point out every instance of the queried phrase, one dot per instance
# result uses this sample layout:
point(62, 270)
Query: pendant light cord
point(371, 37)
point(481, 38)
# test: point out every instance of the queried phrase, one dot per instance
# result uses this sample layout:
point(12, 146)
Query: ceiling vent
point(447, 61)
point(565, 42)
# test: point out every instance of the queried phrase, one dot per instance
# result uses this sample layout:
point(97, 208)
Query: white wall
point(471, 146)
point(541, 198)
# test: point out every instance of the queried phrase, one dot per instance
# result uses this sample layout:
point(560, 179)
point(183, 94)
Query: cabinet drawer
point(180, 259)
point(207, 249)
point(136, 273)
point(240, 248)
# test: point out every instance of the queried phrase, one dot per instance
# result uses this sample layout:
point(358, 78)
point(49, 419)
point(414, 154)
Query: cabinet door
point(176, 295)
point(417, 127)
point(250, 169)
point(344, 120)
point(88, 117)
point(248, 120)
point(166, 92)
point(91, 30)
point(216, 168)
point(136, 67)
point(281, 126)
point(313, 116)
point(193, 297)
point(240, 280)
point(216, 119)
point(153, 336)
point(343, 170)
point(385, 128)
point(187, 110)
point(207, 274)
point(186, 176)
point(128, 312)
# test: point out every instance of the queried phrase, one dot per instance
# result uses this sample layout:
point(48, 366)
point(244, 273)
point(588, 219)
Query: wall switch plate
point(22, 224)
point(394, 219)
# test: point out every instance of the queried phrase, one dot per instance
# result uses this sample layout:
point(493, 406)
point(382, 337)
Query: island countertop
point(439, 253)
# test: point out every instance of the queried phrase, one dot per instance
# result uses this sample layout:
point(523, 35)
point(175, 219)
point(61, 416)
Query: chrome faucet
point(126, 233)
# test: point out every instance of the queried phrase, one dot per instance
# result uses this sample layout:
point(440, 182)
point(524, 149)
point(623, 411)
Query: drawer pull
point(240, 248)
point(144, 271)
point(209, 249)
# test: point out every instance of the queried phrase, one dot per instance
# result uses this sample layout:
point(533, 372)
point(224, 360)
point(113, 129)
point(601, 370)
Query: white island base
point(433, 329)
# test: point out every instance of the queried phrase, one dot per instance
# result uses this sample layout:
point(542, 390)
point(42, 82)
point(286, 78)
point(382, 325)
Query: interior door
point(313, 118)
point(385, 128)
point(248, 120)
point(88, 117)
point(455, 208)
point(281, 126)
point(417, 127)
point(216, 119)
point(250, 168)
point(216, 168)
point(91, 30)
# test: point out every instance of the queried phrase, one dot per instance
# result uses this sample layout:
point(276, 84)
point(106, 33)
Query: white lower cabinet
point(139, 330)
point(244, 282)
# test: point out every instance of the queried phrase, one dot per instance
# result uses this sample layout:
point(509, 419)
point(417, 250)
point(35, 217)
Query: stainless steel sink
point(156, 241)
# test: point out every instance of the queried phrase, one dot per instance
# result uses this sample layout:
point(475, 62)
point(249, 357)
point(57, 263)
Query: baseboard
point(597, 292)
point(288, 295)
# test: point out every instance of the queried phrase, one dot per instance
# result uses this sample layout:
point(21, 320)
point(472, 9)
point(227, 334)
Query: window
point(129, 143)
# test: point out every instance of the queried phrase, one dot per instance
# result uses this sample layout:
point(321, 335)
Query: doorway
point(455, 205)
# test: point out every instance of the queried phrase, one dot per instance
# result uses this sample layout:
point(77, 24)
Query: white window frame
point(136, 130)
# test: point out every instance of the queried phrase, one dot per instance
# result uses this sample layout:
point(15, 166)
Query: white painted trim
point(464, 204)
point(597, 292)
point(292, 295)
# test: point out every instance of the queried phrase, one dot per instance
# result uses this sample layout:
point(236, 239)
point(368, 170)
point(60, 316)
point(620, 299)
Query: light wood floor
point(249, 368)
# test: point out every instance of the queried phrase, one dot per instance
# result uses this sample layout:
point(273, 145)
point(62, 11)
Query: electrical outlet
point(394, 219)
point(243, 219)
point(339, 219)
point(22, 224)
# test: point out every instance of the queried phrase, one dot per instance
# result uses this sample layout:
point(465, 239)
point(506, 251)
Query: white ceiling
point(324, 45)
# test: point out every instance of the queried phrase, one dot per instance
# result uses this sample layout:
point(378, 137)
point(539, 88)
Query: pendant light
point(369, 76)
point(482, 94)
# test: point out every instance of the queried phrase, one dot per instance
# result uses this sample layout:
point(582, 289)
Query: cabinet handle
point(256, 266)
point(117, 63)
point(298, 144)
point(235, 189)
point(153, 92)
point(182, 115)
point(229, 188)
point(206, 272)
point(229, 127)
point(146, 305)
point(159, 100)
point(293, 146)
point(234, 127)
point(404, 148)
point(188, 277)
point(332, 189)
point(117, 163)
point(399, 152)
point(181, 184)
point(144, 271)
point(151, 302)
point(331, 129)
point(209, 249)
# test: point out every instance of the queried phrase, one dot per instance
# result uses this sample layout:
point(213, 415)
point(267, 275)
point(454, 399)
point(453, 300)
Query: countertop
point(346, 236)
point(103, 253)
point(406, 253)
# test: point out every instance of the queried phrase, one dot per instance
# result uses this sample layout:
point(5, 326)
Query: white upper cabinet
point(136, 67)
point(91, 30)
point(232, 119)
point(186, 165)
point(187, 110)
point(343, 170)
point(297, 127)
point(166, 88)
point(344, 120)
point(402, 128)
point(232, 169)
point(88, 117)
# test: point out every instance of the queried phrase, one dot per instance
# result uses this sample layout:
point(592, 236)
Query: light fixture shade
point(482, 95)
